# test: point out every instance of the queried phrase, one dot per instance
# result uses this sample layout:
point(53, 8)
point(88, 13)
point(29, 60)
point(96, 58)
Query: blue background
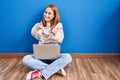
point(90, 26)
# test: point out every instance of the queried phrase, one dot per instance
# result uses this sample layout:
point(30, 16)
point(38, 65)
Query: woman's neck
point(48, 24)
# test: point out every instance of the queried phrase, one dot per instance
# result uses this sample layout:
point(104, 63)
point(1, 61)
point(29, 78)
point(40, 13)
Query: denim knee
point(67, 57)
point(25, 59)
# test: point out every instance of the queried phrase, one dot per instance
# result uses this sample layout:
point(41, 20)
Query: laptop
point(46, 51)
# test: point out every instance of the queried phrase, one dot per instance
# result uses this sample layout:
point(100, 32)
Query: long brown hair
point(56, 18)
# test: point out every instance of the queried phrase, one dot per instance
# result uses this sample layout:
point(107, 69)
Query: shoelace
point(35, 73)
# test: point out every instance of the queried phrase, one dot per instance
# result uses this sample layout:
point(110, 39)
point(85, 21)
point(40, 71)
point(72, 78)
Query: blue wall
point(91, 26)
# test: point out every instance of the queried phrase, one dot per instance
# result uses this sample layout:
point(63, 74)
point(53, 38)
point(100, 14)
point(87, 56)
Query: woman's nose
point(47, 14)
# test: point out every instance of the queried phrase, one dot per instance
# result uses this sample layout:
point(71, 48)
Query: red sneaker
point(33, 74)
point(62, 72)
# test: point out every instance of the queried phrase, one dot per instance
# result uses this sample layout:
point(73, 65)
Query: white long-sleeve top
point(44, 35)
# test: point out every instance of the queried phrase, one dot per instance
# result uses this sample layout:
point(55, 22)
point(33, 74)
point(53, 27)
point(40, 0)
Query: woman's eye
point(49, 13)
point(45, 12)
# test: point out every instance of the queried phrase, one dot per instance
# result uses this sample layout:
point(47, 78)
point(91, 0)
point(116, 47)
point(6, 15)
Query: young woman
point(48, 31)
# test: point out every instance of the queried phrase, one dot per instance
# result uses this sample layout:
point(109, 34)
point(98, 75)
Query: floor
point(79, 69)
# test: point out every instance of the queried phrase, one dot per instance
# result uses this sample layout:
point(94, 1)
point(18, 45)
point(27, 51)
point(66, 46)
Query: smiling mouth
point(47, 18)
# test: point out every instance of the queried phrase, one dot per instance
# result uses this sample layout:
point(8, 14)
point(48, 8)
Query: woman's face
point(48, 14)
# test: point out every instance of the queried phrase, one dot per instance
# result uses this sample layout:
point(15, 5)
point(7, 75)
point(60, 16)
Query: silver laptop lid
point(46, 51)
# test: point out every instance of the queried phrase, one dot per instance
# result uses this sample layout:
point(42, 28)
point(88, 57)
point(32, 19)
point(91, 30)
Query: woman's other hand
point(39, 26)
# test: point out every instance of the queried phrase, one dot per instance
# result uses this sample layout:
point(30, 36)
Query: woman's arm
point(37, 31)
point(57, 34)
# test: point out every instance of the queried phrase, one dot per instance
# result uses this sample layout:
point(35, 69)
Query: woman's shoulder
point(59, 25)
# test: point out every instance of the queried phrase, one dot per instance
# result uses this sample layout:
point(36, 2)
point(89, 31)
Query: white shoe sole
point(63, 72)
point(28, 76)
